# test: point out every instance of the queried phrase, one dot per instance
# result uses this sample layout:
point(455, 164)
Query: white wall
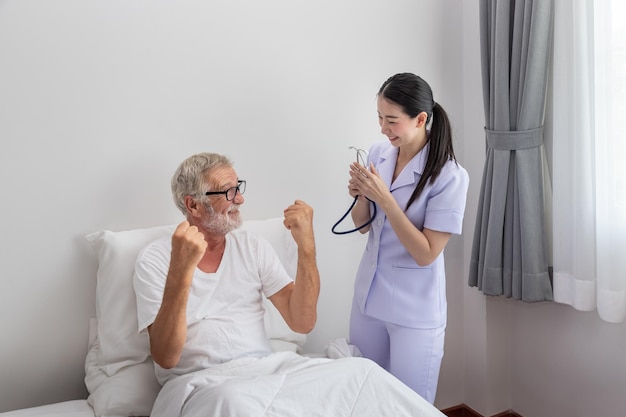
point(100, 101)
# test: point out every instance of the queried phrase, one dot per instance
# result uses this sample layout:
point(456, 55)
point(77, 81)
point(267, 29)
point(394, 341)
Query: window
point(588, 162)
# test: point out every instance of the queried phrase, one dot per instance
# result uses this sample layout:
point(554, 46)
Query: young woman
point(398, 314)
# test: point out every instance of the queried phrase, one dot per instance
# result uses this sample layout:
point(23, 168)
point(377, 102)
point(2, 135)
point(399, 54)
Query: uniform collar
point(411, 172)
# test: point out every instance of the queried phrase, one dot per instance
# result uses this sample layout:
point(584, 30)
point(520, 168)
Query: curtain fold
point(509, 253)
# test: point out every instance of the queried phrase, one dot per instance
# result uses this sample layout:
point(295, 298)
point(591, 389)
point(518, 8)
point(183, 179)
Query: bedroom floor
point(465, 411)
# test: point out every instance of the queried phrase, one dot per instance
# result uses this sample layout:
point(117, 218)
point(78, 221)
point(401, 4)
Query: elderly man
point(200, 294)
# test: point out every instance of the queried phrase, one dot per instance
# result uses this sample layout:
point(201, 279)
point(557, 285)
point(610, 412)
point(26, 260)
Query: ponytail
point(440, 150)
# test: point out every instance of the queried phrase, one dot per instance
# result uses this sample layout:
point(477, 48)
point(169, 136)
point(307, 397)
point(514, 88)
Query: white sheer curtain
point(589, 156)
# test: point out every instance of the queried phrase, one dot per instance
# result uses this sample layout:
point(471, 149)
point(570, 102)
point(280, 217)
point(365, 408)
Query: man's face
point(222, 216)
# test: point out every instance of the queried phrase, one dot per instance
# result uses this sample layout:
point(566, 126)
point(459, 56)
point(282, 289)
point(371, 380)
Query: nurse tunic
point(390, 285)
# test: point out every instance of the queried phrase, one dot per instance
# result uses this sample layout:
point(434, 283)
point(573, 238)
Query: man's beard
point(219, 223)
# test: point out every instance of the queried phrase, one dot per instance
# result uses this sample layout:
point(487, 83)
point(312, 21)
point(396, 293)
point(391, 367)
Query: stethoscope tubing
point(346, 214)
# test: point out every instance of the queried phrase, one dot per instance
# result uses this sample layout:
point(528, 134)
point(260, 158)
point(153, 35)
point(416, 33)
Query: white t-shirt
point(224, 310)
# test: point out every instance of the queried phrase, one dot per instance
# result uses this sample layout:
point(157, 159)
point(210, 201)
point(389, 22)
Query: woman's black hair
point(414, 95)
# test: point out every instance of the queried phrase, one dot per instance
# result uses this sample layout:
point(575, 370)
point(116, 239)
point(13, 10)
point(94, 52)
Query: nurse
point(398, 316)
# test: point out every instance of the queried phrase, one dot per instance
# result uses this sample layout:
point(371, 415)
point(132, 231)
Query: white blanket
point(287, 384)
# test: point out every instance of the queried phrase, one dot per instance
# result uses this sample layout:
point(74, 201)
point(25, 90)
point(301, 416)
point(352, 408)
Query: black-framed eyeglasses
point(231, 193)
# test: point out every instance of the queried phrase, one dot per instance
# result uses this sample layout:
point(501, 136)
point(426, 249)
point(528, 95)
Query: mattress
point(74, 408)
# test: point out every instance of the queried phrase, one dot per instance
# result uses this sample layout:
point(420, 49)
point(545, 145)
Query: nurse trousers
point(411, 355)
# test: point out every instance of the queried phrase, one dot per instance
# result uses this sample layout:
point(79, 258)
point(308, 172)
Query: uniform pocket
point(415, 295)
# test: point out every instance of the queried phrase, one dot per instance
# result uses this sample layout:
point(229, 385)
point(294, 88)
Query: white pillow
point(130, 392)
point(116, 308)
point(118, 361)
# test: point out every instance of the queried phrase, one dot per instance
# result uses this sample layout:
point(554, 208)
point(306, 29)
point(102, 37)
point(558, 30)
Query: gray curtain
point(509, 252)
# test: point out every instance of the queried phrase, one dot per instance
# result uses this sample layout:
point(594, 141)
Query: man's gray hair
point(190, 176)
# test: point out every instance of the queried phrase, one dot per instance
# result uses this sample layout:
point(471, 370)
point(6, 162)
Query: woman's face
point(400, 128)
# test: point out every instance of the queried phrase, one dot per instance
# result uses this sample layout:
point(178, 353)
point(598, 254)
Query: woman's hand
point(366, 183)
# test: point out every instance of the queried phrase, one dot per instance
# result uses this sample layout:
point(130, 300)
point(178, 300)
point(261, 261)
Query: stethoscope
point(361, 158)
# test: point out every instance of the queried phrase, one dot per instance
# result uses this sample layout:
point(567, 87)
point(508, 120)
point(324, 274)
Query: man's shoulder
point(161, 247)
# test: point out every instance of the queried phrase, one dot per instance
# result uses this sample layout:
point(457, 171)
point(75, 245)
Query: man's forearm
point(303, 303)
point(169, 330)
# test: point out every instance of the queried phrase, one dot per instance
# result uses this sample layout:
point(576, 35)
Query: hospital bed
point(119, 373)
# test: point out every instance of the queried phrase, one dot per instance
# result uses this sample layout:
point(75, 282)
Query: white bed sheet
point(74, 408)
point(287, 384)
